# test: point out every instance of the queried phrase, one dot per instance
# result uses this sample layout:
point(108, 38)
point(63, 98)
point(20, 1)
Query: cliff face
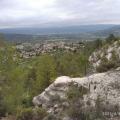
point(106, 58)
point(106, 86)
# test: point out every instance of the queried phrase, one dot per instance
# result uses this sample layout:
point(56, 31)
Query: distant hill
point(83, 32)
point(18, 37)
point(56, 30)
point(113, 30)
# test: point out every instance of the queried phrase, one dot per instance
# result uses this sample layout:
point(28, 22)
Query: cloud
point(20, 13)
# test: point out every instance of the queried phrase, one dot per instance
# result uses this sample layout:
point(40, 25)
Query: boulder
point(106, 85)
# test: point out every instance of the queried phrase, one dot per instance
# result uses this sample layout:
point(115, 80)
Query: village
point(28, 50)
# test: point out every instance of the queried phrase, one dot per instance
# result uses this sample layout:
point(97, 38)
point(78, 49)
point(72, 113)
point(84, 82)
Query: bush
point(39, 114)
point(75, 92)
point(106, 64)
point(2, 111)
point(111, 38)
point(30, 114)
point(76, 113)
point(25, 114)
point(52, 117)
point(103, 67)
point(98, 107)
point(2, 106)
point(98, 43)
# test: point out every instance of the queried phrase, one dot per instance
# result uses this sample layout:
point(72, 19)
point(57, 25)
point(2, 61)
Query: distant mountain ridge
point(83, 32)
point(56, 30)
point(113, 30)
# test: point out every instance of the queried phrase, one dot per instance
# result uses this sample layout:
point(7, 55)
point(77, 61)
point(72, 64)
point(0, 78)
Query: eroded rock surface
point(108, 54)
point(106, 85)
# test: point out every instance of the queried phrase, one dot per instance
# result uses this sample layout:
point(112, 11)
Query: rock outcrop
point(106, 85)
point(109, 54)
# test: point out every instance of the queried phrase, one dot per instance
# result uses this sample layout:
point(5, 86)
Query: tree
point(72, 64)
point(2, 42)
point(111, 38)
point(13, 90)
point(45, 73)
point(98, 43)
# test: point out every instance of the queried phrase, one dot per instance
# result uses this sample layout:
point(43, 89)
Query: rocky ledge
point(105, 85)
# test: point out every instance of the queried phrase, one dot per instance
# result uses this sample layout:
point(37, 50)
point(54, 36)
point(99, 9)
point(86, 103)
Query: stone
point(67, 118)
point(107, 52)
point(103, 84)
point(65, 104)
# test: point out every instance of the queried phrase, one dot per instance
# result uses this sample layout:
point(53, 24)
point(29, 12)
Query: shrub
point(2, 110)
point(111, 38)
point(25, 114)
point(104, 67)
point(98, 43)
point(75, 92)
point(75, 98)
point(106, 64)
point(2, 106)
point(98, 107)
point(52, 117)
point(39, 114)
point(31, 114)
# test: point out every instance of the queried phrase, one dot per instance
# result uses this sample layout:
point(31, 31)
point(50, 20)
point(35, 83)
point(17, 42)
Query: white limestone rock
point(107, 85)
point(107, 52)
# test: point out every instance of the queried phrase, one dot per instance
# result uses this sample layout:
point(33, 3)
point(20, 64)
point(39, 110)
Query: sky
point(46, 13)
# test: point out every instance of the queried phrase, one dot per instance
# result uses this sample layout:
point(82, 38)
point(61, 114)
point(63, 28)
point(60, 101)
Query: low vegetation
point(31, 114)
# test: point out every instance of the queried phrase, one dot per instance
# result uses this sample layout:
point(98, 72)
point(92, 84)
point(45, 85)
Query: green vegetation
point(111, 38)
point(22, 79)
point(75, 92)
point(79, 109)
point(30, 114)
point(76, 103)
point(98, 43)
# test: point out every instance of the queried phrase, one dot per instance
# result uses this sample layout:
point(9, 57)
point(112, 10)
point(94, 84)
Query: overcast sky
point(44, 13)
